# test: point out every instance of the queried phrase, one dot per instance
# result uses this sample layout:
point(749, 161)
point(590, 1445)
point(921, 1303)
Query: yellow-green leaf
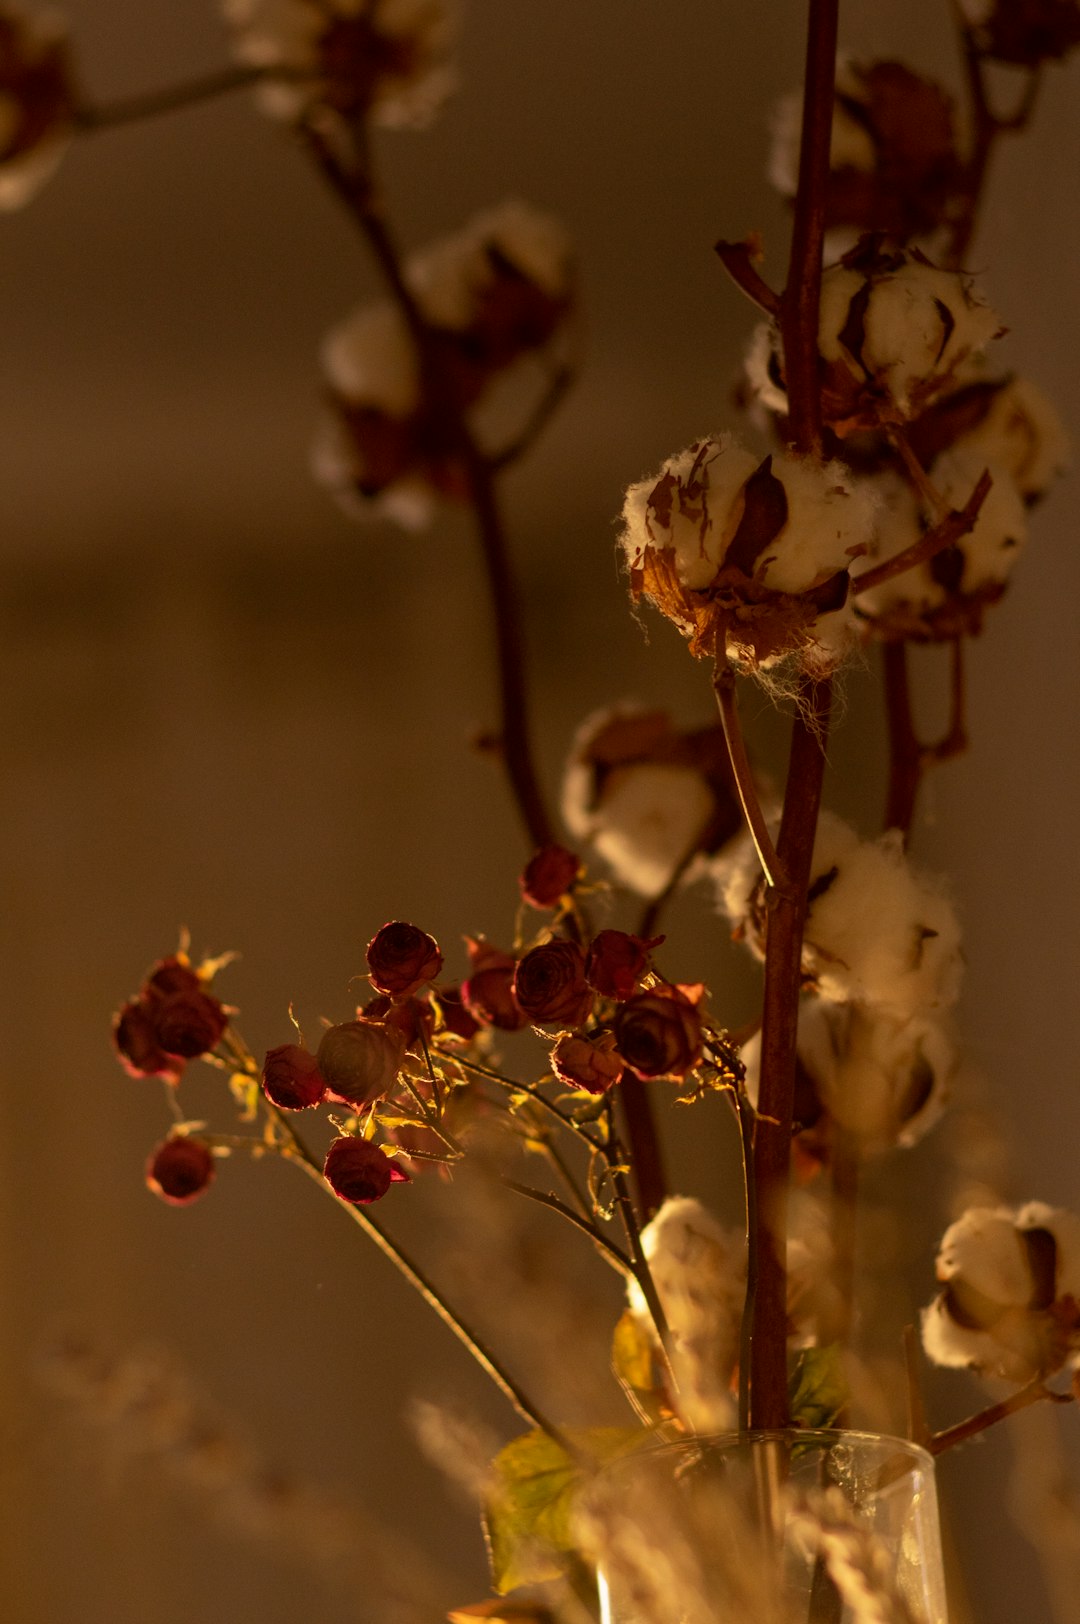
point(502, 1612)
point(528, 1517)
point(818, 1386)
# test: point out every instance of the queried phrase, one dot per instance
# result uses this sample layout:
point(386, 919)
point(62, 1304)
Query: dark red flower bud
point(171, 975)
point(457, 1020)
point(414, 1018)
point(358, 1171)
point(581, 1062)
point(550, 984)
point(548, 875)
point(617, 961)
point(135, 1037)
point(291, 1078)
point(401, 958)
point(180, 1170)
point(488, 994)
point(360, 1060)
point(188, 1023)
point(659, 1033)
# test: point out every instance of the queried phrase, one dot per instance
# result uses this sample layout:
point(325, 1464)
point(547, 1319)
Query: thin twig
point(297, 1151)
point(741, 772)
point(559, 385)
point(738, 259)
point(89, 120)
point(918, 1428)
point(1033, 1393)
point(552, 1202)
point(533, 1093)
point(945, 534)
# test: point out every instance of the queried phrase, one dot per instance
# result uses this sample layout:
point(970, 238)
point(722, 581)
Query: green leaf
point(818, 1386)
point(528, 1518)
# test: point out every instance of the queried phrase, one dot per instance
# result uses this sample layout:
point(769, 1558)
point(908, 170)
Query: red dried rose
point(180, 1170)
point(457, 1021)
point(488, 994)
point(291, 1078)
point(550, 985)
point(592, 1064)
point(414, 1018)
point(188, 1023)
point(358, 1171)
point(617, 961)
point(401, 958)
point(659, 1033)
point(135, 1038)
point(171, 975)
point(360, 1060)
point(548, 875)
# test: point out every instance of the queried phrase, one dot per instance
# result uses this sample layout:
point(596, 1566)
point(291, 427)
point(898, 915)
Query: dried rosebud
point(548, 875)
point(592, 1064)
point(647, 795)
point(488, 994)
point(549, 984)
point(894, 164)
point(401, 958)
point(658, 1033)
point(136, 1040)
point(37, 102)
point(188, 1023)
point(749, 558)
point(1011, 1299)
point(457, 1022)
point(169, 976)
point(358, 1171)
point(1023, 32)
point(380, 59)
point(180, 1170)
point(291, 1078)
point(414, 1018)
point(360, 1060)
point(616, 962)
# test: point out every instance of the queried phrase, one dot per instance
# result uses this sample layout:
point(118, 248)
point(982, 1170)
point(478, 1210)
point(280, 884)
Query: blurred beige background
point(226, 706)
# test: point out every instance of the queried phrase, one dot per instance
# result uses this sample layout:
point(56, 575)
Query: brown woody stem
point(356, 189)
point(766, 1335)
point(646, 1157)
point(802, 293)
point(905, 751)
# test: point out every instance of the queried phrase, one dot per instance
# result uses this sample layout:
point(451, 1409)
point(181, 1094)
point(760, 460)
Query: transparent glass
point(770, 1528)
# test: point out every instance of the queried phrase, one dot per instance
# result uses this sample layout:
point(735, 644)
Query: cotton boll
point(830, 519)
point(878, 930)
point(1022, 434)
point(699, 1270)
point(532, 240)
point(984, 1249)
point(1006, 1276)
point(764, 372)
point(370, 359)
point(894, 331)
point(450, 276)
point(651, 817)
point(647, 794)
point(692, 506)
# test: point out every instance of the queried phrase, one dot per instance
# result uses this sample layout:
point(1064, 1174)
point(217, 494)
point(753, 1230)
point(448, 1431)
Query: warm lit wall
point(225, 706)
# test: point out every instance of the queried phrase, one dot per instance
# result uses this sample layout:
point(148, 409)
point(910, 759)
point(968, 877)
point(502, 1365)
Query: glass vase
point(792, 1527)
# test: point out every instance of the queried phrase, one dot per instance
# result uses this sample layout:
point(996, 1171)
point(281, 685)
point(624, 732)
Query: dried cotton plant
point(875, 499)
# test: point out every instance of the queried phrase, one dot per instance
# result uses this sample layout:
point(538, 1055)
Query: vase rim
point(801, 1435)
